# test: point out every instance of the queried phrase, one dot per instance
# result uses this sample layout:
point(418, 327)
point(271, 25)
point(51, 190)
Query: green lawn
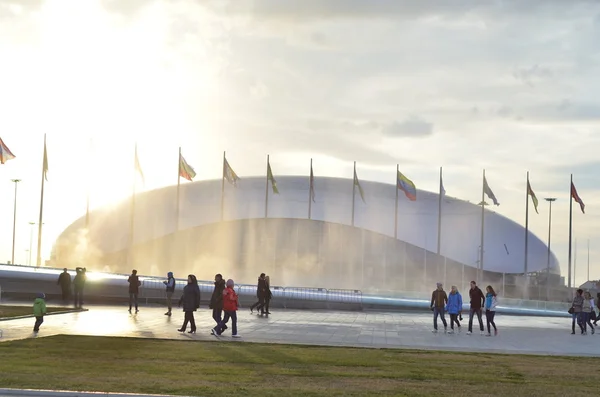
point(131, 365)
point(15, 311)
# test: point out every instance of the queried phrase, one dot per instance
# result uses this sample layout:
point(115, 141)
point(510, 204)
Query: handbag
point(571, 310)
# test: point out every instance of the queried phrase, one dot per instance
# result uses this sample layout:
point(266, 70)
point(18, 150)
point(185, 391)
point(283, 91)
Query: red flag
point(576, 197)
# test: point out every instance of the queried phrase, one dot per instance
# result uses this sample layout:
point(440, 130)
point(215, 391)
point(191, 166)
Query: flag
point(407, 186)
point(442, 190)
point(185, 170)
point(270, 178)
point(488, 192)
point(576, 197)
point(138, 167)
point(533, 198)
point(357, 184)
point(45, 162)
point(229, 174)
point(5, 153)
point(312, 184)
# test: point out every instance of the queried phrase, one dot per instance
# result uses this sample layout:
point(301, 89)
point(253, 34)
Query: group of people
point(583, 312)
point(78, 284)
point(452, 304)
point(264, 295)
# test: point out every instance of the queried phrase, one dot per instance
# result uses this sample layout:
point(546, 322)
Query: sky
point(505, 86)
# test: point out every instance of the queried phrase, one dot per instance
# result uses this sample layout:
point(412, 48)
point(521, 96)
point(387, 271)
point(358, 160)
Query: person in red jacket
point(230, 306)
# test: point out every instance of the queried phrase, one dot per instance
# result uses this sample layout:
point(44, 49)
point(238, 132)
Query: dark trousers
point(189, 317)
point(264, 307)
point(454, 319)
point(221, 327)
point(38, 322)
point(478, 313)
point(133, 299)
point(577, 318)
point(489, 318)
point(260, 303)
point(217, 315)
point(66, 294)
point(78, 298)
point(586, 319)
point(439, 312)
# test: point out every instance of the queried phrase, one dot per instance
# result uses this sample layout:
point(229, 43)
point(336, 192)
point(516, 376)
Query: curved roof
point(200, 203)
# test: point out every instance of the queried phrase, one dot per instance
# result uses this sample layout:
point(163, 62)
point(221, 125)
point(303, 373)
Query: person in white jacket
point(491, 301)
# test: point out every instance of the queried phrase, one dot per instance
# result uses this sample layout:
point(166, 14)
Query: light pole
point(12, 260)
point(550, 200)
point(31, 224)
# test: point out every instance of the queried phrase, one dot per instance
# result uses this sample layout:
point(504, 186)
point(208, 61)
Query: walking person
point(216, 300)
point(439, 299)
point(261, 290)
point(491, 301)
point(268, 295)
point(454, 308)
point(598, 306)
point(230, 306)
point(39, 310)
point(190, 299)
point(64, 280)
point(134, 289)
point(586, 312)
point(170, 284)
point(477, 301)
point(577, 308)
point(78, 286)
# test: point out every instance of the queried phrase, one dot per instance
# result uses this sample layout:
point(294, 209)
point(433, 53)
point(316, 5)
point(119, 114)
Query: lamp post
point(12, 260)
point(550, 200)
point(31, 224)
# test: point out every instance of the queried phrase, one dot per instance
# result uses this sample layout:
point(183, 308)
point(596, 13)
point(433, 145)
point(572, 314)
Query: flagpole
point(310, 190)
point(223, 189)
point(87, 199)
point(482, 228)
point(39, 244)
point(178, 185)
point(439, 236)
point(526, 290)
point(132, 215)
point(575, 264)
point(396, 209)
point(588, 270)
point(353, 192)
point(267, 189)
point(570, 226)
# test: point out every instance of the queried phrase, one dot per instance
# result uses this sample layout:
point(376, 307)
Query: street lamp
point(15, 181)
point(31, 224)
point(550, 200)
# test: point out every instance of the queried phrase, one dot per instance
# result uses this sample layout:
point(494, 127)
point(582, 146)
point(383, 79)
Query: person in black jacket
point(64, 280)
point(190, 299)
point(134, 289)
point(216, 300)
point(261, 291)
point(477, 302)
point(170, 284)
point(78, 286)
point(267, 298)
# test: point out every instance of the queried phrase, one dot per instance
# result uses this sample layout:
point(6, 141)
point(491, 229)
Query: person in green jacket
point(39, 309)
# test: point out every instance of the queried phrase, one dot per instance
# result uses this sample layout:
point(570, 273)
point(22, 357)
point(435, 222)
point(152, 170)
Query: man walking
point(64, 280)
point(78, 286)
point(439, 299)
point(477, 302)
point(170, 284)
point(216, 300)
point(134, 288)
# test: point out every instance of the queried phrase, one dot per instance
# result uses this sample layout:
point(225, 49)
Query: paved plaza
point(411, 330)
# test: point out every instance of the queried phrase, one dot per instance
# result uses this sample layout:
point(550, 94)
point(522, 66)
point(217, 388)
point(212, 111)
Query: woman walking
point(267, 297)
point(586, 312)
point(454, 308)
point(491, 301)
point(191, 301)
point(577, 307)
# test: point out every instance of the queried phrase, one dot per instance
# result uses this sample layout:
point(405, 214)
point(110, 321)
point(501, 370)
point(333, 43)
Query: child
point(39, 309)
point(230, 306)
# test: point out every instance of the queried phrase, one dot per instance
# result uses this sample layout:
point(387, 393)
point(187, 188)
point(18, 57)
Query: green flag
point(357, 184)
point(270, 178)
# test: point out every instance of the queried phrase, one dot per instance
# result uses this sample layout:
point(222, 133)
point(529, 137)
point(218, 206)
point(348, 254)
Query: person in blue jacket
point(454, 307)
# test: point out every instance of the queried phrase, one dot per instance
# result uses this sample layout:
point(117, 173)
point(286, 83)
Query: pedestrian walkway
point(412, 330)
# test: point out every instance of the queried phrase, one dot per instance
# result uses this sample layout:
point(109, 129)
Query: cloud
point(533, 74)
point(411, 127)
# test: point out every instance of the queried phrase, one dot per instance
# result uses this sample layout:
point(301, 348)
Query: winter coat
point(79, 280)
point(39, 307)
point(64, 280)
point(134, 284)
point(261, 288)
point(439, 299)
point(455, 303)
point(190, 299)
point(230, 300)
point(476, 297)
point(170, 283)
point(577, 303)
point(491, 301)
point(216, 300)
point(587, 306)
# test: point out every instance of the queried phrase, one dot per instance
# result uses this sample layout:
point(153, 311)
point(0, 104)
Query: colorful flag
point(407, 186)
point(45, 170)
point(533, 198)
point(185, 170)
point(272, 179)
point(229, 174)
point(488, 192)
point(5, 153)
point(138, 167)
point(577, 198)
point(312, 184)
point(357, 184)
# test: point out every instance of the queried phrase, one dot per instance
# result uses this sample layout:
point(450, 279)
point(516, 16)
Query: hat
point(230, 283)
point(439, 285)
point(170, 274)
point(41, 295)
point(262, 275)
